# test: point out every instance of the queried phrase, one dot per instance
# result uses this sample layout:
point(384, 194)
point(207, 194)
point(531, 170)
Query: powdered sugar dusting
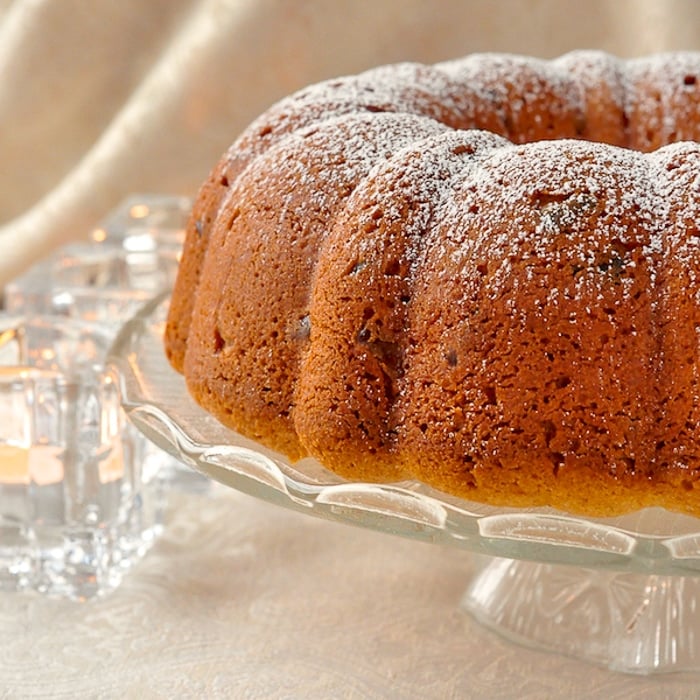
point(360, 122)
point(662, 98)
point(326, 162)
point(512, 83)
point(519, 97)
point(554, 199)
point(589, 208)
point(426, 173)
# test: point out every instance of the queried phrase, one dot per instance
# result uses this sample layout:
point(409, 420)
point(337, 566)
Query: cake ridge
point(372, 254)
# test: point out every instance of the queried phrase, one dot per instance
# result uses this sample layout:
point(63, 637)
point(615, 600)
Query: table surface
point(240, 598)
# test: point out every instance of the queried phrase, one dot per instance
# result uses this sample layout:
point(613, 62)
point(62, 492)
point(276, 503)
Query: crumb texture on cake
point(481, 274)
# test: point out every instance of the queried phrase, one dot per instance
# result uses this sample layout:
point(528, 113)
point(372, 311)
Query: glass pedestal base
point(628, 622)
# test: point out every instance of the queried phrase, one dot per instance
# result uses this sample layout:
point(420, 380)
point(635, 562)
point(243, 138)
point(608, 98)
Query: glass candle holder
point(81, 494)
point(127, 260)
point(124, 262)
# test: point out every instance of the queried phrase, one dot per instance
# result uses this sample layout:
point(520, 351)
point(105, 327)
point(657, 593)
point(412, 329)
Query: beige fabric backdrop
point(103, 98)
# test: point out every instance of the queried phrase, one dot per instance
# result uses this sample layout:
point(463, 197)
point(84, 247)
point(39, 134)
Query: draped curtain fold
point(102, 99)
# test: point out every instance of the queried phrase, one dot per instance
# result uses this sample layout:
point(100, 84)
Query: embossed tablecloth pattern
point(245, 600)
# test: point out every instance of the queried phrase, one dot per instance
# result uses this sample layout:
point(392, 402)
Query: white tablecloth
point(242, 599)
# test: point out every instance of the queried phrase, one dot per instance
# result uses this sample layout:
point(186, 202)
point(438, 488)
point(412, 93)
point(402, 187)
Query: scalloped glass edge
point(651, 541)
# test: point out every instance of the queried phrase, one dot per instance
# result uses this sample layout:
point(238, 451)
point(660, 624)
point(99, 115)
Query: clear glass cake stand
point(622, 592)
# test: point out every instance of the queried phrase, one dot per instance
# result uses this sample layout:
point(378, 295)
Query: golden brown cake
point(481, 274)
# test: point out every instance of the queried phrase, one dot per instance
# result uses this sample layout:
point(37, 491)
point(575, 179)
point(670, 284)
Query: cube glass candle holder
point(81, 496)
point(82, 492)
point(125, 261)
point(128, 259)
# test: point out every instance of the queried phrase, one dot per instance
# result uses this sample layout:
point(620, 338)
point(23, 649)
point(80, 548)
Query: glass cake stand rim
point(156, 400)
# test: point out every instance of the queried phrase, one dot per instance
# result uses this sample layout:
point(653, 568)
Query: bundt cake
point(483, 275)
